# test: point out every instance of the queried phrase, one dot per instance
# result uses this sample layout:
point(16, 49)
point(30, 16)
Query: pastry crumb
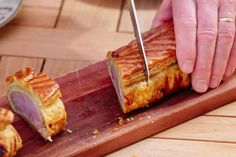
point(115, 129)
point(129, 119)
point(149, 117)
point(69, 131)
point(108, 123)
point(50, 139)
point(120, 120)
point(94, 136)
point(132, 118)
point(96, 132)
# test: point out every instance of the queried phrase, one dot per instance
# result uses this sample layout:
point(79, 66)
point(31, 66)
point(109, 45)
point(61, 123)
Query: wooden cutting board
point(91, 104)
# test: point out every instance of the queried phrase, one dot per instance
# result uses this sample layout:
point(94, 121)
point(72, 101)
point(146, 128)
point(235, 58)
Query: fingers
point(164, 13)
point(206, 40)
point(184, 15)
point(226, 34)
point(232, 58)
point(231, 66)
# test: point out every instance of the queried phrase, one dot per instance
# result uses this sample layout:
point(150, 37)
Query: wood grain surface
point(10, 65)
point(91, 104)
point(43, 13)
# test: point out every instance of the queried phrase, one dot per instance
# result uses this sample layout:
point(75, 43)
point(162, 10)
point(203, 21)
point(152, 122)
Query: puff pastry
point(127, 71)
point(10, 141)
point(36, 98)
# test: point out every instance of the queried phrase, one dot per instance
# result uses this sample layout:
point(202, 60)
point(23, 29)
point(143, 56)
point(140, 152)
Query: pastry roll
point(10, 141)
point(126, 69)
point(36, 98)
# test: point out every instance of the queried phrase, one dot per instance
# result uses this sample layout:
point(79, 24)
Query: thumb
point(164, 13)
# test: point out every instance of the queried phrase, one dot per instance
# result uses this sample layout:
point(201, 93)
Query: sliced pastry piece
point(127, 71)
point(36, 98)
point(10, 141)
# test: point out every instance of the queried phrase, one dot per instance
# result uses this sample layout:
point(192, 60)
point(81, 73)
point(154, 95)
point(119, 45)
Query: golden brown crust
point(127, 70)
point(6, 117)
point(44, 94)
point(40, 83)
point(160, 48)
point(10, 141)
point(55, 118)
point(168, 81)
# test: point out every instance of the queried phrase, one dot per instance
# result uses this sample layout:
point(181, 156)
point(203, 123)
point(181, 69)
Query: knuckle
point(217, 71)
point(208, 34)
point(206, 68)
point(227, 33)
point(215, 75)
point(231, 2)
point(211, 3)
point(188, 21)
point(223, 55)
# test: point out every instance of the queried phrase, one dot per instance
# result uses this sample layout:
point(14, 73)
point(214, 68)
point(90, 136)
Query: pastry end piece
point(10, 141)
point(36, 97)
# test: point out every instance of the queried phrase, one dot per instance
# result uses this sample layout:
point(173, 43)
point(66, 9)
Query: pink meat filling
point(26, 107)
point(116, 84)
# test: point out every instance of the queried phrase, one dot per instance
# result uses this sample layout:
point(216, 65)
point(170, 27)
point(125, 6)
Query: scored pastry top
point(39, 83)
point(6, 117)
point(160, 49)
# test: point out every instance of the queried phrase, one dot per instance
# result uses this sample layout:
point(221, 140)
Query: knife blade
point(139, 40)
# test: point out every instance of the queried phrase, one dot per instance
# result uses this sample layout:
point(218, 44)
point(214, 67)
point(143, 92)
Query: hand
point(205, 45)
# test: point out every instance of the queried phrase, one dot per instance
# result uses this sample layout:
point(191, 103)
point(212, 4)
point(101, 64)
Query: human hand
point(205, 38)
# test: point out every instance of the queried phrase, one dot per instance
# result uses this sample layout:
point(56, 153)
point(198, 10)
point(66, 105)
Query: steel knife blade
point(135, 22)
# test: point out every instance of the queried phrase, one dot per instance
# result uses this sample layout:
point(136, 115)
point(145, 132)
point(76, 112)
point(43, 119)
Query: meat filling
point(26, 107)
point(116, 83)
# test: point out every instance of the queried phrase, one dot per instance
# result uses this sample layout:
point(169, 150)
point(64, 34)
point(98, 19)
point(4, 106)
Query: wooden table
point(59, 36)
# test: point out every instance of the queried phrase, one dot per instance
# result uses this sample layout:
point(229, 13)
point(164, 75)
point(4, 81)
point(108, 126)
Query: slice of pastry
point(10, 141)
point(36, 98)
point(127, 71)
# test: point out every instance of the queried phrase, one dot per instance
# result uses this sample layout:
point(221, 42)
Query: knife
point(139, 40)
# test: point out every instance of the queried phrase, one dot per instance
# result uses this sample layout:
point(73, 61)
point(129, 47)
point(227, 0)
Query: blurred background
point(59, 36)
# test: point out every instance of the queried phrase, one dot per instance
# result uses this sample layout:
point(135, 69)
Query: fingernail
point(187, 66)
point(214, 83)
point(201, 86)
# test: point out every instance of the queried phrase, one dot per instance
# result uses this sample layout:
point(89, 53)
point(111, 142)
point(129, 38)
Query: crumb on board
point(149, 117)
point(120, 120)
point(94, 136)
point(96, 132)
point(115, 129)
point(108, 123)
point(129, 119)
point(69, 131)
point(50, 139)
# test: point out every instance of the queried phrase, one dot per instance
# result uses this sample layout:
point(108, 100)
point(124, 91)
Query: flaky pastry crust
point(10, 141)
point(45, 93)
point(127, 71)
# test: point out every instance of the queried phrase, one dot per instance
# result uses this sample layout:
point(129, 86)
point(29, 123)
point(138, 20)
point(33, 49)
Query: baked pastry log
point(10, 141)
point(127, 71)
point(36, 98)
